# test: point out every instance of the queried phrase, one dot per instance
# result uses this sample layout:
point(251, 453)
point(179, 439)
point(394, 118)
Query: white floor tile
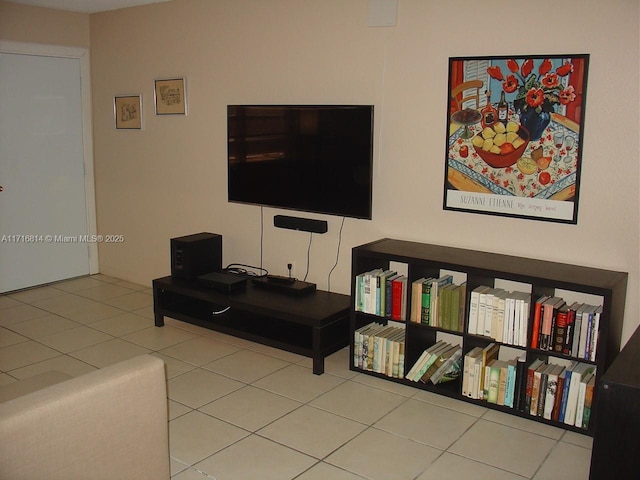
point(250, 408)
point(359, 402)
point(566, 461)
point(298, 383)
point(267, 461)
point(195, 436)
point(504, 447)
point(324, 471)
point(246, 365)
point(75, 339)
point(429, 424)
point(199, 387)
point(379, 455)
point(23, 354)
point(109, 352)
point(453, 467)
point(200, 350)
point(155, 338)
point(312, 431)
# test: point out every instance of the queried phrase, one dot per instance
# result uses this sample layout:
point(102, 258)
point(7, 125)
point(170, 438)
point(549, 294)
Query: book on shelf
point(398, 298)
point(537, 313)
point(567, 348)
point(510, 387)
point(467, 370)
point(528, 395)
point(451, 306)
point(557, 403)
point(549, 314)
point(378, 348)
point(388, 293)
point(595, 333)
point(426, 301)
point(571, 330)
point(474, 305)
point(435, 286)
point(582, 391)
point(497, 321)
point(568, 371)
point(580, 370)
point(483, 305)
point(553, 372)
point(489, 353)
point(520, 382)
point(440, 359)
point(559, 335)
point(536, 388)
point(588, 402)
point(499, 314)
point(422, 359)
point(492, 378)
point(416, 300)
point(443, 300)
point(450, 368)
point(381, 291)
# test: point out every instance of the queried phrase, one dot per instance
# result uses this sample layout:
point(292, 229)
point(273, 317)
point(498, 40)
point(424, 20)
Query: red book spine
point(396, 300)
point(560, 331)
point(536, 323)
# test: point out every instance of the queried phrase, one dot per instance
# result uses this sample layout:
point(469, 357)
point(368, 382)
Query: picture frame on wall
point(127, 112)
point(515, 134)
point(170, 96)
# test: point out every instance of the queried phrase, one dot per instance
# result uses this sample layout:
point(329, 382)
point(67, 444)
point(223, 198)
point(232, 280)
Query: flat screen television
point(311, 158)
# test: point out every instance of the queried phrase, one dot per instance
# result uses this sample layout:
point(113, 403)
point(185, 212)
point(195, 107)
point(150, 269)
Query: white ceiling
point(87, 6)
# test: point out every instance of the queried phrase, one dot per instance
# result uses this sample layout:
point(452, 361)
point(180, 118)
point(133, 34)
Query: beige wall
point(22, 23)
point(170, 178)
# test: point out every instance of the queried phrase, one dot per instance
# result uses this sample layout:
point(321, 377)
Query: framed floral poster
point(127, 111)
point(514, 135)
point(170, 96)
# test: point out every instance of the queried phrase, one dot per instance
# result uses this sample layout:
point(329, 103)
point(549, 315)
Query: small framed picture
point(127, 111)
point(170, 96)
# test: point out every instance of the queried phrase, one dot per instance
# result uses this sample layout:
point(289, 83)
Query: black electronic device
point(223, 281)
point(280, 279)
point(196, 254)
point(312, 158)
point(297, 223)
point(284, 285)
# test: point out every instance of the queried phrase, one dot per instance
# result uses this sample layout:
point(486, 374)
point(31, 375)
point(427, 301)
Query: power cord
point(337, 255)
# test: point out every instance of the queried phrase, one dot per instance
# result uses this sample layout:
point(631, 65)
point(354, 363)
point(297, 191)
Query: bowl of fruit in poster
point(501, 145)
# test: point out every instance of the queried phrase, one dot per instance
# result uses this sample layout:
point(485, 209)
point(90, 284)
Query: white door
point(43, 207)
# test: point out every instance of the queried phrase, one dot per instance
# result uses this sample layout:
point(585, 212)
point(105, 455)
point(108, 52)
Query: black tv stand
point(314, 325)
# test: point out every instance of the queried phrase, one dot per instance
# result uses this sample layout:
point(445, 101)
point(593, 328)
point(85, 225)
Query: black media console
point(314, 325)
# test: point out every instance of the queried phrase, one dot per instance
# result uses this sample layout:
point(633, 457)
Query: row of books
point(559, 393)
point(499, 314)
point(554, 392)
point(380, 348)
point(382, 293)
point(442, 362)
point(438, 302)
point(568, 329)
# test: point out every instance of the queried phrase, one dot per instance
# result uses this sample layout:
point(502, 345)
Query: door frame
point(81, 54)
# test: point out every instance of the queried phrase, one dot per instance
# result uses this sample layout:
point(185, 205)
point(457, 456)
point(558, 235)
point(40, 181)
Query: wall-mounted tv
point(311, 158)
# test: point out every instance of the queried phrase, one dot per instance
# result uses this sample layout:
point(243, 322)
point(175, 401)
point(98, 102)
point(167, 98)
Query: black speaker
point(297, 223)
point(194, 255)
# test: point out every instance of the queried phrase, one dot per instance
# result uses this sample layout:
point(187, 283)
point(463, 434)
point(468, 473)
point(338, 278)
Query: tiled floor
point(240, 410)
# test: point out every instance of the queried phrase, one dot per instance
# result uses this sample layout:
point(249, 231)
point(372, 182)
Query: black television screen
point(312, 158)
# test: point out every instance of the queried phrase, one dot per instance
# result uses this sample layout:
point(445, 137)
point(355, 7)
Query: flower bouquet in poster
point(514, 135)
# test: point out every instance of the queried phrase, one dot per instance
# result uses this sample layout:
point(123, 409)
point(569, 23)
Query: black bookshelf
point(484, 268)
